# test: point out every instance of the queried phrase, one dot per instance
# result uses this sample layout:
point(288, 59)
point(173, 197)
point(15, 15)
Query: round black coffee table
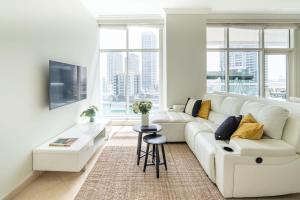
point(144, 129)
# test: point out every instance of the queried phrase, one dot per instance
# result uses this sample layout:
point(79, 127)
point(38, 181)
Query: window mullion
point(126, 72)
point(289, 38)
point(161, 74)
point(227, 60)
point(129, 50)
point(288, 71)
point(262, 65)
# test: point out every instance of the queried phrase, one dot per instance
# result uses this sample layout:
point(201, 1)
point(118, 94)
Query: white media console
point(74, 158)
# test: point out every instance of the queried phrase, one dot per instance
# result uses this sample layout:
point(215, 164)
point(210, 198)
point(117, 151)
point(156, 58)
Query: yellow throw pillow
point(248, 119)
point(249, 129)
point(204, 109)
point(252, 131)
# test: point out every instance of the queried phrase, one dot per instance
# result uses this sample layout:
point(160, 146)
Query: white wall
point(185, 45)
point(295, 72)
point(31, 33)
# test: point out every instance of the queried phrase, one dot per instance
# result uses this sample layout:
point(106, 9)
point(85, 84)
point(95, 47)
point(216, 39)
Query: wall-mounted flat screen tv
point(67, 84)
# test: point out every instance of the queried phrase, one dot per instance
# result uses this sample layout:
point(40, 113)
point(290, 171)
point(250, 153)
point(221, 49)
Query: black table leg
point(139, 146)
point(157, 161)
point(153, 154)
point(164, 156)
point(146, 157)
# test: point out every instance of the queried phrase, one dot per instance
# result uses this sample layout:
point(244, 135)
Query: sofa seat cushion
point(205, 146)
point(194, 128)
point(263, 147)
point(171, 117)
point(210, 124)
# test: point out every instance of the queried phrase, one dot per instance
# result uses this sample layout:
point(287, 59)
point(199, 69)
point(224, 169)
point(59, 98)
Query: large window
point(216, 70)
point(130, 66)
point(243, 72)
point(249, 61)
point(275, 75)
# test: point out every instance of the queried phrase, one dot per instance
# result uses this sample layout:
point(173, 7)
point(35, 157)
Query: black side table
point(144, 129)
point(155, 140)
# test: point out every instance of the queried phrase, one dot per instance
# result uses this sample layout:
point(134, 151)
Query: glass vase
point(145, 119)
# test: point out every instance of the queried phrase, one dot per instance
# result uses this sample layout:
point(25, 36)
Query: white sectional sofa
point(266, 167)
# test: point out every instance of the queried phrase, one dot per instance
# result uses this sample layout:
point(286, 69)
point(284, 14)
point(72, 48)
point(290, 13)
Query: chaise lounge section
point(266, 167)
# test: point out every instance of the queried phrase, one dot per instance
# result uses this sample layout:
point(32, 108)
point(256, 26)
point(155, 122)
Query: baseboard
point(29, 179)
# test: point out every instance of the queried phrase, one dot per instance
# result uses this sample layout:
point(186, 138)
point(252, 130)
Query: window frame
point(225, 71)
point(286, 72)
point(127, 51)
point(228, 67)
point(262, 51)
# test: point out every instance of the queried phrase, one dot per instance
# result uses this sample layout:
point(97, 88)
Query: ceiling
point(130, 7)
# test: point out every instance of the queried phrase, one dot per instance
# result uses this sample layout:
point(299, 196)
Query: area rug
point(117, 176)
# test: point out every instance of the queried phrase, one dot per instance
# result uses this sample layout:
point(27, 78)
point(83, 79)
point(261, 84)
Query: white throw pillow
point(192, 107)
point(273, 117)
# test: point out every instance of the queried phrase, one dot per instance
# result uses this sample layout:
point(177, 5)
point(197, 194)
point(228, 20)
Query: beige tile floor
point(59, 185)
point(64, 185)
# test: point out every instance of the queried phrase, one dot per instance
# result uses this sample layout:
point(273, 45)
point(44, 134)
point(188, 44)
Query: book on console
point(149, 128)
point(63, 142)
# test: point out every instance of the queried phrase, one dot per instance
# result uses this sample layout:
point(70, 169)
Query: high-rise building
point(149, 62)
point(134, 77)
point(244, 63)
point(133, 64)
point(134, 85)
point(114, 65)
point(119, 85)
point(114, 74)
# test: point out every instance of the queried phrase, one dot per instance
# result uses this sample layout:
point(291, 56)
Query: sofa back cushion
point(271, 116)
point(216, 101)
point(217, 118)
point(231, 105)
point(252, 107)
point(291, 130)
point(224, 103)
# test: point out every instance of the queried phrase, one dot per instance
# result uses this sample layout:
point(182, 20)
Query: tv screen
point(82, 83)
point(67, 84)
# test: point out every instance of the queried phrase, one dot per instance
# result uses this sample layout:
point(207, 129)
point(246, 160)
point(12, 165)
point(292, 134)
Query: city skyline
point(139, 71)
point(244, 71)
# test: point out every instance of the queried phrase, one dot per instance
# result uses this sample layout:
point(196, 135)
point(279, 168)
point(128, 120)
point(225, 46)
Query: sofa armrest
point(262, 147)
point(177, 108)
